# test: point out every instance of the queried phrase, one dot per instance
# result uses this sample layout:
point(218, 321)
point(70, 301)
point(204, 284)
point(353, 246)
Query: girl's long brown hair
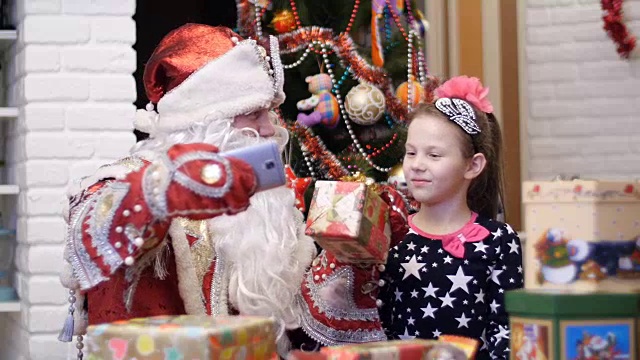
point(486, 191)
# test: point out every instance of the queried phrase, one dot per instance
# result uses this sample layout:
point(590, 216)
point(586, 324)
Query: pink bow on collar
point(454, 243)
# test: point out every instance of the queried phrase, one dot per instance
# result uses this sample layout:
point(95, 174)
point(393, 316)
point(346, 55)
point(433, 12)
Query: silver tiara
point(460, 112)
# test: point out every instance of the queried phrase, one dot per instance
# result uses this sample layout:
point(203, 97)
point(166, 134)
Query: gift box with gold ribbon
point(183, 337)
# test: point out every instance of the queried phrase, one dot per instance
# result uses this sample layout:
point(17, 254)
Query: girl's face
point(434, 165)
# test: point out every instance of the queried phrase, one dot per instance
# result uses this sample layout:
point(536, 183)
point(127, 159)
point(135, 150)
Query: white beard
point(268, 254)
point(265, 246)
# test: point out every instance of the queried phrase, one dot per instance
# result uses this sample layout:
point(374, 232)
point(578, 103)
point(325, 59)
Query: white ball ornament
point(365, 104)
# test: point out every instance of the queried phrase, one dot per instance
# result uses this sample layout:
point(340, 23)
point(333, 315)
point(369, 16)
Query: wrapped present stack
point(351, 220)
point(582, 272)
point(183, 337)
point(446, 349)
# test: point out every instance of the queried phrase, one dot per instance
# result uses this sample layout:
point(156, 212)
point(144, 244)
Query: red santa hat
point(203, 73)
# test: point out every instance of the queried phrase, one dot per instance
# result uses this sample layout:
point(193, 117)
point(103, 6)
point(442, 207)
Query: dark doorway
point(155, 18)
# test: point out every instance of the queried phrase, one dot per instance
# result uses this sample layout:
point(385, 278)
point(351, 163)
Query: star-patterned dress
point(453, 284)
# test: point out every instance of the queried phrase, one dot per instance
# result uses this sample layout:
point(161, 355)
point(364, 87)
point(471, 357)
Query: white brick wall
point(71, 76)
point(583, 100)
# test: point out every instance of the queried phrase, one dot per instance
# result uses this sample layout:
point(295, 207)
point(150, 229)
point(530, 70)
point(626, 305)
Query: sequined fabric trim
point(352, 312)
point(329, 336)
point(276, 63)
point(85, 270)
point(202, 248)
point(196, 187)
point(131, 163)
point(106, 203)
point(219, 288)
point(87, 273)
point(132, 232)
point(155, 181)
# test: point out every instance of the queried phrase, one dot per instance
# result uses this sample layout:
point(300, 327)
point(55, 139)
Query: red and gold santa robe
point(130, 259)
point(137, 242)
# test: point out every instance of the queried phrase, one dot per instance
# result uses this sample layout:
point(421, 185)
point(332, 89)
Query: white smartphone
point(266, 162)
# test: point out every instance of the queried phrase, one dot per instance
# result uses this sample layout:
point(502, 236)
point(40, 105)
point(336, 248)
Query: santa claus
point(142, 240)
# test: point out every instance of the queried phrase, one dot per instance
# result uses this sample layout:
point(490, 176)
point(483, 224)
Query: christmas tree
point(364, 63)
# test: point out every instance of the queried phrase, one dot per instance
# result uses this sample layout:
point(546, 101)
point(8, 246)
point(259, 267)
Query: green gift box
point(566, 324)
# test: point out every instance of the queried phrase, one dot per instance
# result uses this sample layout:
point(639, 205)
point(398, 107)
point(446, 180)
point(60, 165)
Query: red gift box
point(351, 220)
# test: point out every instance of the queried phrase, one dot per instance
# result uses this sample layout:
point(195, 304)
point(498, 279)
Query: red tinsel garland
point(327, 161)
point(615, 27)
point(299, 39)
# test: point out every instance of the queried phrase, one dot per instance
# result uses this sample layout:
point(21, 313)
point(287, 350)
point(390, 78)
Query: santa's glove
point(398, 214)
point(194, 181)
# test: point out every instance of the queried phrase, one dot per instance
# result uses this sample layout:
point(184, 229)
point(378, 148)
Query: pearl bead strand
point(343, 112)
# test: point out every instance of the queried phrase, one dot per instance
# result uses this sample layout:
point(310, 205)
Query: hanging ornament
point(365, 104)
point(377, 55)
point(397, 179)
point(325, 106)
point(399, 182)
point(417, 93)
point(298, 185)
point(283, 22)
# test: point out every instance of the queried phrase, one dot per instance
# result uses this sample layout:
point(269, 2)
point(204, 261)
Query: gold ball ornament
point(283, 22)
point(396, 178)
point(417, 93)
point(365, 104)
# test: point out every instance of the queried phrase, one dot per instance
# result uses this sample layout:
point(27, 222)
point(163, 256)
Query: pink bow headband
point(454, 97)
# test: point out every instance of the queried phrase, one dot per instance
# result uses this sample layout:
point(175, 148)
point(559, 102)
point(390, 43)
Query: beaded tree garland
point(336, 49)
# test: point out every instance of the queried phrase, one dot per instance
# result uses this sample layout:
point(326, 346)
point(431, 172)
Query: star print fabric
point(430, 292)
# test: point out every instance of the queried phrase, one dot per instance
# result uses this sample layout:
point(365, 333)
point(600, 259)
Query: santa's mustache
point(243, 137)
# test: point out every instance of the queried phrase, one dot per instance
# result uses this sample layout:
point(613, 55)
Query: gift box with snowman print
point(582, 235)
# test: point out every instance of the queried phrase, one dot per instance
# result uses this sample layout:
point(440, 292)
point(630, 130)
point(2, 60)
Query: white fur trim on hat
point(145, 121)
point(235, 83)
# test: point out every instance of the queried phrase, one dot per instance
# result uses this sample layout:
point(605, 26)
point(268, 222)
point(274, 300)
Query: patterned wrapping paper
point(183, 338)
point(386, 350)
point(584, 234)
point(350, 220)
point(588, 209)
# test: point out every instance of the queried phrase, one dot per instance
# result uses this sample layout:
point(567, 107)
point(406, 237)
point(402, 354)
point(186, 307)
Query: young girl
point(450, 273)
